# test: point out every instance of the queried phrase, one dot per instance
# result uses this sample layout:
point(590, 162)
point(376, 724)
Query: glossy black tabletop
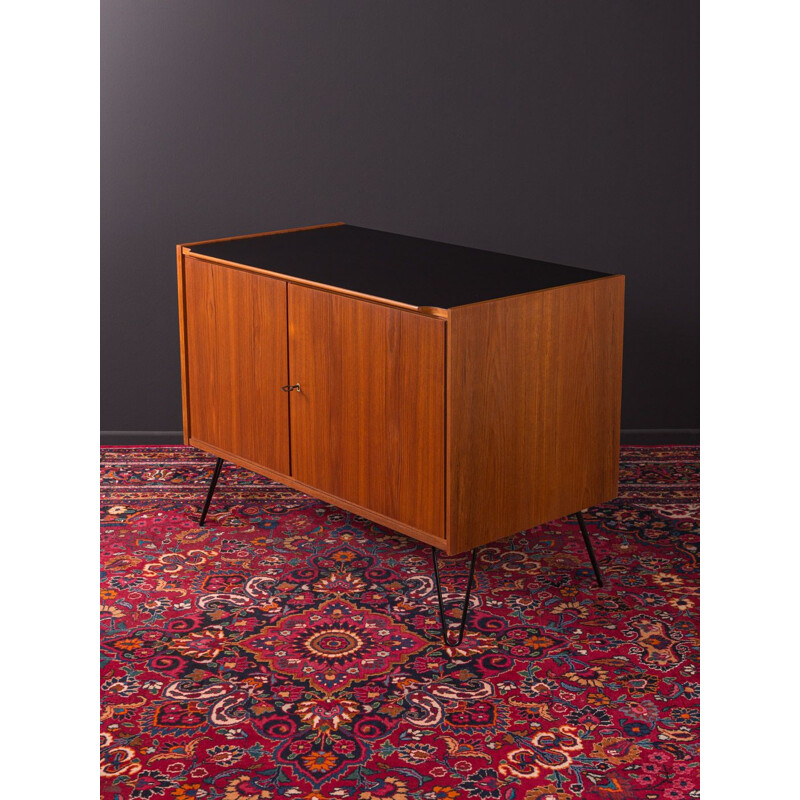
point(419, 272)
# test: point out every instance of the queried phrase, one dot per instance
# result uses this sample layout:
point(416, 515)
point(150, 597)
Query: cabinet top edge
point(262, 233)
point(406, 271)
point(601, 279)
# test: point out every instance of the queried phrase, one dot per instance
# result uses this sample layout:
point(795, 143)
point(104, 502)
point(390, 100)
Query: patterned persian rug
point(293, 650)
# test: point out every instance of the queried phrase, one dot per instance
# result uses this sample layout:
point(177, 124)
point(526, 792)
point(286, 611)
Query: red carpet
point(292, 650)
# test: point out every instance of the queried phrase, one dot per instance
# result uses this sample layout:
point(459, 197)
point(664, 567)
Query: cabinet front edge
point(428, 311)
point(183, 345)
point(373, 516)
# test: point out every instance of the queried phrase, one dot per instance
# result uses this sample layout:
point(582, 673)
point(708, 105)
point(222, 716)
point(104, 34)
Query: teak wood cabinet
point(452, 394)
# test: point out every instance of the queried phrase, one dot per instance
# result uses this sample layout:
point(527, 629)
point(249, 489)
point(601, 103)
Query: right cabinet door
point(367, 424)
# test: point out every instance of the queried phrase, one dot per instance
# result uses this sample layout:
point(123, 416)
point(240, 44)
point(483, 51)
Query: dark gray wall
point(564, 130)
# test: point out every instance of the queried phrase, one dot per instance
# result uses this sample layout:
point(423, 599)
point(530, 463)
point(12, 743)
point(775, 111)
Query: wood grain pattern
point(533, 408)
point(368, 423)
point(237, 362)
point(287, 480)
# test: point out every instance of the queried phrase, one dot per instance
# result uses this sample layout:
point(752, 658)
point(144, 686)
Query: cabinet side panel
point(237, 362)
point(368, 422)
point(533, 404)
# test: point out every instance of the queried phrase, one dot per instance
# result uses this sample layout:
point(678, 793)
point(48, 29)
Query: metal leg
point(464, 610)
point(211, 488)
point(590, 550)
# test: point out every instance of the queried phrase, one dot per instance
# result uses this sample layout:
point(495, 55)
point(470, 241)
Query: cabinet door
point(237, 362)
point(368, 422)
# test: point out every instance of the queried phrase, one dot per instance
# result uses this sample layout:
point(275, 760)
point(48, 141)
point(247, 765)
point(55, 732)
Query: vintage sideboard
point(452, 394)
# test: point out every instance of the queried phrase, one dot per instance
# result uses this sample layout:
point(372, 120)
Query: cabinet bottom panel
point(373, 516)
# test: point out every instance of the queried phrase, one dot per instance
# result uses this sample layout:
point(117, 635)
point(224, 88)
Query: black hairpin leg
point(464, 610)
point(590, 550)
point(211, 488)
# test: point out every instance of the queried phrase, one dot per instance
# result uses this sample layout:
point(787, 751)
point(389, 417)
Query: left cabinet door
point(237, 362)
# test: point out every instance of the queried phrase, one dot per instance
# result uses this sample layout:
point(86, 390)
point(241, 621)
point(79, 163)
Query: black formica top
point(419, 272)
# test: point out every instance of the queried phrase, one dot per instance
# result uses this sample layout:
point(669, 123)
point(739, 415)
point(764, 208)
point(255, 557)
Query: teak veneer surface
point(368, 422)
point(313, 491)
point(533, 409)
point(237, 362)
point(406, 269)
